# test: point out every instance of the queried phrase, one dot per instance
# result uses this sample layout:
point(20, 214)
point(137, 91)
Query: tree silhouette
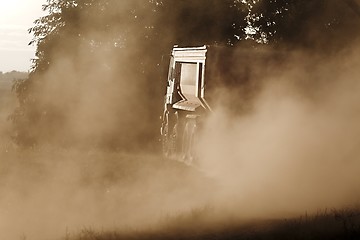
point(322, 25)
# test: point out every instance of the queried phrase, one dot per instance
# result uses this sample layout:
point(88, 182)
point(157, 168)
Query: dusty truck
point(184, 102)
point(194, 78)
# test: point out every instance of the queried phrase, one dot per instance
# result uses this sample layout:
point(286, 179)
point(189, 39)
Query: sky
point(16, 17)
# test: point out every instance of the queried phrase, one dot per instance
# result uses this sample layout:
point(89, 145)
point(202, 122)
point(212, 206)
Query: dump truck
point(194, 78)
point(185, 104)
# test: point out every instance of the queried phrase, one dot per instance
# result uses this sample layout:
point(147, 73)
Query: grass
point(334, 224)
point(145, 181)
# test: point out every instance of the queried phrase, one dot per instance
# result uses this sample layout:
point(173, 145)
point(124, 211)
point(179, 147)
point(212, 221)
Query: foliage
point(322, 25)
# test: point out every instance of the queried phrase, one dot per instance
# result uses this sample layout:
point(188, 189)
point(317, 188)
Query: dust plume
point(50, 194)
point(94, 92)
point(296, 148)
point(7, 105)
point(91, 94)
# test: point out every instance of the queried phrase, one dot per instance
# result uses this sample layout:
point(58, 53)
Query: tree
point(322, 25)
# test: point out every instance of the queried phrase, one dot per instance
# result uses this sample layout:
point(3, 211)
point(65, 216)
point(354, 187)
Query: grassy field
point(334, 224)
point(76, 195)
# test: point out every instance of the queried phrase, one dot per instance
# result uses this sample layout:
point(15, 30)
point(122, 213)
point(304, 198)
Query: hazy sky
point(16, 16)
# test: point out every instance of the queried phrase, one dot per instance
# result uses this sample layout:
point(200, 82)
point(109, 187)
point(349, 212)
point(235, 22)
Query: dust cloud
point(93, 92)
point(296, 148)
point(7, 105)
point(85, 103)
point(51, 194)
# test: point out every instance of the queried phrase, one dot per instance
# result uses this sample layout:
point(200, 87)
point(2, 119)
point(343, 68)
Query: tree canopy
point(315, 25)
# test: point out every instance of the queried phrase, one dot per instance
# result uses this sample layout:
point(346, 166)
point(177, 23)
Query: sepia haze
point(295, 151)
point(295, 148)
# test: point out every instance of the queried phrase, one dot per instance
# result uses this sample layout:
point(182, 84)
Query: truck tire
point(188, 149)
point(165, 139)
point(169, 134)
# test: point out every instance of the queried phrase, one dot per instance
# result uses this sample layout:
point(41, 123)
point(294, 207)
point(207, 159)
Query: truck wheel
point(188, 149)
point(165, 139)
point(169, 135)
point(172, 141)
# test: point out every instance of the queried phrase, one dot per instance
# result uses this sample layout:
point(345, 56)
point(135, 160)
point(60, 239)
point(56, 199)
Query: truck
point(185, 105)
point(194, 78)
